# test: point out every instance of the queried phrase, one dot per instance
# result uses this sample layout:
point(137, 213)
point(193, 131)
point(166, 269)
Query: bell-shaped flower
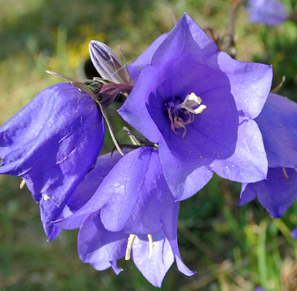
point(51, 144)
point(132, 213)
point(277, 123)
point(199, 106)
point(268, 12)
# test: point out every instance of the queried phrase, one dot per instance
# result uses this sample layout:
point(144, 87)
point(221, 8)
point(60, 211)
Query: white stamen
point(192, 101)
point(22, 185)
point(129, 246)
point(151, 246)
point(46, 197)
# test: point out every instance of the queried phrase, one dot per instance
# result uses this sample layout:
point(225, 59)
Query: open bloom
point(277, 123)
point(52, 143)
point(132, 213)
point(198, 105)
point(269, 12)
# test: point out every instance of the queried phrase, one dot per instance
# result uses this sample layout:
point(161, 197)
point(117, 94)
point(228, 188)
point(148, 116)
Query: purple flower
point(277, 193)
point(260, 289)
point(269, 12)
point(294, 234)
point(52, 143)
point(131, 213)
point(277, 123)
point(198, 105)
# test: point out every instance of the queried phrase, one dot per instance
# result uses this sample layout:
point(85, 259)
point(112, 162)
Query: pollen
point(22, 185)
point(46, 197)
point(184, 113)
point(192, 104)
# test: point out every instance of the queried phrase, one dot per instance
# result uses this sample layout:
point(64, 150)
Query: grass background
point(230, 247)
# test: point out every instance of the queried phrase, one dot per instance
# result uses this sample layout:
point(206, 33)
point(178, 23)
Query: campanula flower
point(199, 106)
point(51, 144)
point(260, 289)
point(131, 214)
point(269, 12)
point(277, 123)
point(294, 233)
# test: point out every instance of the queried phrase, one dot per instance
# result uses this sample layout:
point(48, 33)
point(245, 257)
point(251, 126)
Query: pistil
point(184, 113)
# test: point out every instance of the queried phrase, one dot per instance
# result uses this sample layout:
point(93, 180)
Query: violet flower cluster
point(198, 111)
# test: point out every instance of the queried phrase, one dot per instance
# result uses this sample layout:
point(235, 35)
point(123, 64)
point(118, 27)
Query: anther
point(285, 173)
point(193, 101)
point(184, 113)
point(46, 197)
point(129, 246)
point(22, 185)
point(151, 246)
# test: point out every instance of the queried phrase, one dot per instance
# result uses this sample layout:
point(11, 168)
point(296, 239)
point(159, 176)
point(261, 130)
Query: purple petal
point(294, 233)
point(277, 193)
point(277, 123)
point(87, 199)
point(138, 191)
point(250, 83)
point(188, 36)
point(247, 194)
point(169, 220)
point(248, 163)
point(184, 181)
point(97, 245)
point(92, 180)
point(153, 268)
point(145, 58)
point(260, 289)
point(52, 143)
point(101, 266)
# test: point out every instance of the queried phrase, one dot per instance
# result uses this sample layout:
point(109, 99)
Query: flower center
point(184, 113)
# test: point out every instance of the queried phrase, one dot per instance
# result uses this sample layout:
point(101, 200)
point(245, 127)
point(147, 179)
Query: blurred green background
point(231, 248)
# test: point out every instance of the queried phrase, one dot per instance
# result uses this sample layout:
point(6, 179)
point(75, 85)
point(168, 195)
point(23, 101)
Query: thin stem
point(110, 130)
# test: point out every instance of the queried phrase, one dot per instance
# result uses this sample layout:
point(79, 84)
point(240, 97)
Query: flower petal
point(169, 220)
point(153, 268)
point(97, 245)
point(277, 123)
point(186, 35)
point(145, 58)
point(86, 198)
point(139, 189)
point(248, 163)
point(185, 180)
point(277, 193)
point(247, 194)
point(250, 83)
